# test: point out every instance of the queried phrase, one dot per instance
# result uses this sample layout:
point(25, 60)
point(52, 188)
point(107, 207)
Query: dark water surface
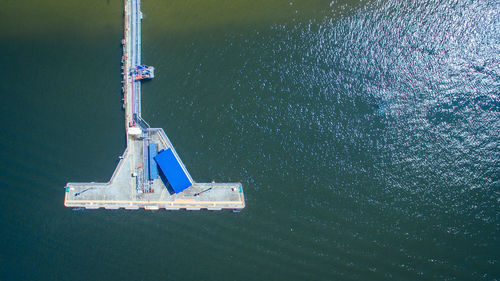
point(365, 133)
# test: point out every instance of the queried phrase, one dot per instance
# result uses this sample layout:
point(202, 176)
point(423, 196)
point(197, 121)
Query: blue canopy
point(153, 169)
point(172, 169)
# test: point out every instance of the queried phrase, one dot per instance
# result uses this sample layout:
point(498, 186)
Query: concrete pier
point(130, 186)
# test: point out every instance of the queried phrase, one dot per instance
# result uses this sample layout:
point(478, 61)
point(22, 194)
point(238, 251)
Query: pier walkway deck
point(130, 186)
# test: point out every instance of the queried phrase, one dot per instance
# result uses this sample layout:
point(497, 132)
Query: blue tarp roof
point(172, 169)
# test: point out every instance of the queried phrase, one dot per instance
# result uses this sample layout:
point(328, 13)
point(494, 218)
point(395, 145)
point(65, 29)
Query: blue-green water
point(365, 133)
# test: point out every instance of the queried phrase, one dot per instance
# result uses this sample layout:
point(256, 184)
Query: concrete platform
point(129, 187)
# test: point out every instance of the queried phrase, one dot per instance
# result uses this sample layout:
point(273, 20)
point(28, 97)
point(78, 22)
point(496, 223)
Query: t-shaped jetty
point(150, 173)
